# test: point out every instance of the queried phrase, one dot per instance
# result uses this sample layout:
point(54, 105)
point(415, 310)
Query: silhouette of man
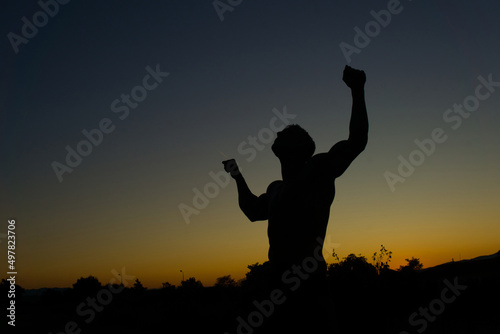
point(298, 207)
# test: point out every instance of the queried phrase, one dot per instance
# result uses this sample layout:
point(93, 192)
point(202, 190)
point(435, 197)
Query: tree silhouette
point(352, 271)
point(353, 263)
point(413, 265)
point(138, 287)
point(381, 260)
point(86, 286)
point(191, 284)
point(225, 282)
point(335, 255)
point(167, 286)
point(257, 276)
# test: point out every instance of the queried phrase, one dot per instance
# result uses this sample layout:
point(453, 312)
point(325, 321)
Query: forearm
point(358, 126)
point(245, 197)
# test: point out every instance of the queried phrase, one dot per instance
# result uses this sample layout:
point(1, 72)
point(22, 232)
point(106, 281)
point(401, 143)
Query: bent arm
point(255, 208)
point(344, 152)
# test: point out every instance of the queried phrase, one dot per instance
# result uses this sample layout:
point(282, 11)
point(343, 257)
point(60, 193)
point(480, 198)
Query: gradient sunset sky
point(119, 208)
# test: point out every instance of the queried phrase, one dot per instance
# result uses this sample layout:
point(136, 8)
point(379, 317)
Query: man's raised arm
point(255, 208)
point(358, 126)
point(344, 152)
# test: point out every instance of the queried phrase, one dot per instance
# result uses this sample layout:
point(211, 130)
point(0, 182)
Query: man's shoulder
point(274, 185)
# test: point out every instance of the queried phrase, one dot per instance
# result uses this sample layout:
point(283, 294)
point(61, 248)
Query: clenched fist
point(354, 79)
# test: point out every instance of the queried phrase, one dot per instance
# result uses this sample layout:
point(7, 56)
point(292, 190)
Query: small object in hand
point(231, 167)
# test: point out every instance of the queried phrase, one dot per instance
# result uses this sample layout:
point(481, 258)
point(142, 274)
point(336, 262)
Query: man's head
point(293, 143)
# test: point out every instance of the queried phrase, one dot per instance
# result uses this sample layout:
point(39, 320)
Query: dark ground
point(365, 302)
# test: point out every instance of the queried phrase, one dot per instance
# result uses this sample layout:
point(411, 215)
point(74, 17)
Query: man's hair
point(307, 145)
